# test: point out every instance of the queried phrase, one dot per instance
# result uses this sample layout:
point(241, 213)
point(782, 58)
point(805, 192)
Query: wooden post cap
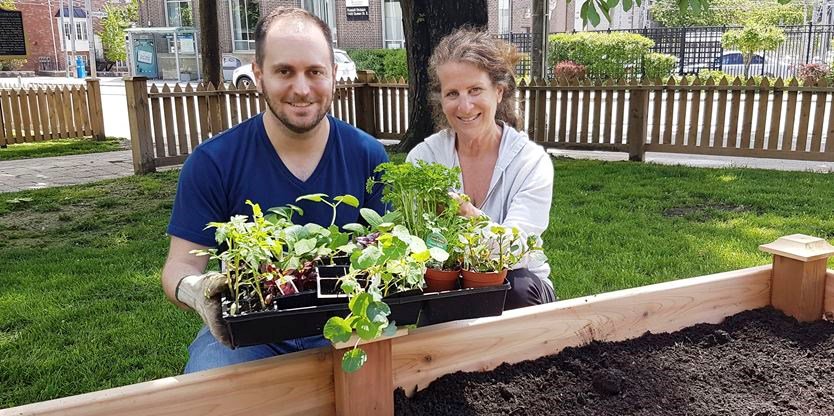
point(798, 275)
point(799, 247)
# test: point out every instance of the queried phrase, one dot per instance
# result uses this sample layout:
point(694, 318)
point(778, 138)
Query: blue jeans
point(205, 352)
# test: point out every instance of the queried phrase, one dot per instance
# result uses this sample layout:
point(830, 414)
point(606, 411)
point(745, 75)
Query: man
point(294, 148)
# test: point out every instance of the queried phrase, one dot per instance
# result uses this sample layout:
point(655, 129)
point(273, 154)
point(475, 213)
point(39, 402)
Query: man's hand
point(202, 293)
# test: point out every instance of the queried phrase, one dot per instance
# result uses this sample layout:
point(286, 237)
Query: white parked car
point(732, 62)
point(242, 77)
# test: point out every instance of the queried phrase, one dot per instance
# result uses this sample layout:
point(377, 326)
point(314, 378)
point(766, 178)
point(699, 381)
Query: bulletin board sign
point(12, 36)
point(357, 10)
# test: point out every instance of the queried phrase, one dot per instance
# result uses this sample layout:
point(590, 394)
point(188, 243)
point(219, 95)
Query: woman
point(507, 177)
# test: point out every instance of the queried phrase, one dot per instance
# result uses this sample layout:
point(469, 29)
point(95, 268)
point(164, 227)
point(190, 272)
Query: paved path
point(18, 175)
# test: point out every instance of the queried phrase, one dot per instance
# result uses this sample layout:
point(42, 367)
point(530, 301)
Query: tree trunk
point(425, 23)
point(209, 41)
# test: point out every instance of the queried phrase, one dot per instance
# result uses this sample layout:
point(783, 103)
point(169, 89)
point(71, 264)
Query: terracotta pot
point(478, 279)
point(440, 280)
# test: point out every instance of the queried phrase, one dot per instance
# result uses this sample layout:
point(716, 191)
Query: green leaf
point(368, 257)
point(627, 5)
point(311, 197)
point(337, 329)
point(390, 330)
point(421, 256)
point(438, 254)
point(354, 360)
point(593, 16)
point(304, 246)
point(368, 330)
point(370, 216)
point(613, 3)
point(359, 304)
point(355, 228)
point(378, 312)
point(348, 200)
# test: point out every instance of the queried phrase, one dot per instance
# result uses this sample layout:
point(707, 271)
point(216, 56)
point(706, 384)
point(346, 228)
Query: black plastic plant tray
point(296, 300)
point(405, 307)
point(452, 305)
point(277, 325)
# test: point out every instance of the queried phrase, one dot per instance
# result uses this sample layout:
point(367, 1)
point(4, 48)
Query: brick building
point(514, 16)
point(355, 23)
point(48, 41)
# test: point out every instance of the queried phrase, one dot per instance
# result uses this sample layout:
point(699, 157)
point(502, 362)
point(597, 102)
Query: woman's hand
point(466, 208)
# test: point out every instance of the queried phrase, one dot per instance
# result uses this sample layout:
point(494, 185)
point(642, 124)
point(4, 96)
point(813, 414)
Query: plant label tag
point(436, 240)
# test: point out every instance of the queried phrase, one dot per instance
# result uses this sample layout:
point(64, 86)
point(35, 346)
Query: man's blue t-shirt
point(241, 164)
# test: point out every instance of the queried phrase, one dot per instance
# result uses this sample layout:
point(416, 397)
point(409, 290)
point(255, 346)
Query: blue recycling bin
point(80, 70)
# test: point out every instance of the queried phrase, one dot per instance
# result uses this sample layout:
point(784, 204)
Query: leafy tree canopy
point(113, 28)
point(727, 13)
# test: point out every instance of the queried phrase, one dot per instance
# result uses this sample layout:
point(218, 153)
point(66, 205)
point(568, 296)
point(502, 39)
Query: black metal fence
point(699, 48)
point(523, 43)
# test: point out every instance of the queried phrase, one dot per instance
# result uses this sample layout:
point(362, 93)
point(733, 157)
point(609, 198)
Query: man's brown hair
point(288, 12)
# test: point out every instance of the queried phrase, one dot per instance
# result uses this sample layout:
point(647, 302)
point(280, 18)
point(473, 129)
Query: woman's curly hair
point(494, 56)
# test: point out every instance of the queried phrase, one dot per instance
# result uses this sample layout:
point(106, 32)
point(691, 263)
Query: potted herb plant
point(490, 249)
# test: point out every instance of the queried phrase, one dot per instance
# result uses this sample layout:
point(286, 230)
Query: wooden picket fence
point(727, 118)
point(168, 123)
point(40, 113)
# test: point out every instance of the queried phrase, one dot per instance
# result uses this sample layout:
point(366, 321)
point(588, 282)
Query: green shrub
point(605, 55)
point(658, 65)
point(715, 74)
point(386, 63)
point(12, 64)
point(395, 63)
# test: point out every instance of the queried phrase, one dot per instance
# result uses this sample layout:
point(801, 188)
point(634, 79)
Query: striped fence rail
point(37, 113)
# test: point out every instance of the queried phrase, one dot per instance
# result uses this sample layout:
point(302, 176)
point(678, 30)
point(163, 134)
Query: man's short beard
point(294, 127)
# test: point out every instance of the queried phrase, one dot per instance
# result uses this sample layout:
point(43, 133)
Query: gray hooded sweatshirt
point(521, 190)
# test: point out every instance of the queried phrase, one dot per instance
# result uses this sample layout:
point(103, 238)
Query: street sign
point(98, 15)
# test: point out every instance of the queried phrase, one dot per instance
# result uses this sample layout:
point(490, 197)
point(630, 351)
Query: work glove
point(202, 293)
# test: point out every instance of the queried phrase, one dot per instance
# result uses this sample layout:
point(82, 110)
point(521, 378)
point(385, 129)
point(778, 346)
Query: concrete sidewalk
point(19, 175)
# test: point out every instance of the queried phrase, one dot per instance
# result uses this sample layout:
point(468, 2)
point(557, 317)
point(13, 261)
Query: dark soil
point(755, 363)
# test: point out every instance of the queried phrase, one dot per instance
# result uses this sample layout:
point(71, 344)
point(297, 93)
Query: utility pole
point(91, 38)
point(63, 13)
point(539, 41)
point(72, 36)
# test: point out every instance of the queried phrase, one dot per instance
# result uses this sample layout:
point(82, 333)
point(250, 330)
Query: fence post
point(366, 110)
point(95, 107)
point(798, 276)
point(141, 139)
point(638, 121)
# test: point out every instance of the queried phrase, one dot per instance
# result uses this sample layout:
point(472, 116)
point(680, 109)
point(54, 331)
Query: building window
point(325, 10)
point(393, 29)
point(504, 16)
point(244, 15)
point(179, 13)
point(80, 31)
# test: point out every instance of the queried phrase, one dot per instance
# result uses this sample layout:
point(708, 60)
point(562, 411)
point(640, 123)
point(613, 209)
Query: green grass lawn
point(81, 308)
point(61, 147)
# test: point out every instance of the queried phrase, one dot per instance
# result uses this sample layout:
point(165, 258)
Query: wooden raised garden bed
point(796, 283)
